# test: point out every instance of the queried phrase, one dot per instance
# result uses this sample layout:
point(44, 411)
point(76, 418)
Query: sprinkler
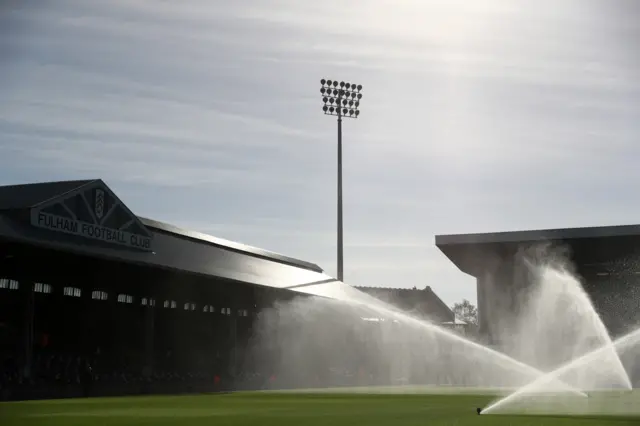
point(478, 410)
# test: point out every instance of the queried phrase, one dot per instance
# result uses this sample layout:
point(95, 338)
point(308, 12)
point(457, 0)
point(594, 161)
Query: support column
point(483, 321)
point(233, 330)
point(502, 303)
point(28, 329)
point(492, 286)
point(149, 337)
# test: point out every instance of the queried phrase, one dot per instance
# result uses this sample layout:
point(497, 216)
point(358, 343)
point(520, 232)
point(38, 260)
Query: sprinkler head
point(478, 410)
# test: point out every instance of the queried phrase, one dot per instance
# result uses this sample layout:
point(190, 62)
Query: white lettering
point(89, 230)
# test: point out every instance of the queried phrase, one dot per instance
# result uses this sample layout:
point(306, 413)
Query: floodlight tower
point(342, 100)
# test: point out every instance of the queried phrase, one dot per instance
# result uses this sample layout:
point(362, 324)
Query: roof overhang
point(156, 225)
point(89, 209)
point(86, 218)
point(471, 253)
point(171, 253)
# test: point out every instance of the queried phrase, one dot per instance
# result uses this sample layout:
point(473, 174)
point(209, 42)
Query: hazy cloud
point(476, 116)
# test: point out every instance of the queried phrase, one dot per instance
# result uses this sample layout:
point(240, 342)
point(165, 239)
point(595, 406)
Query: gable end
point(94, 212)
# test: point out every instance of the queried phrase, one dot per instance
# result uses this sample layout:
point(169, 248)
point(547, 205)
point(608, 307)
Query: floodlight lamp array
point(341, 99)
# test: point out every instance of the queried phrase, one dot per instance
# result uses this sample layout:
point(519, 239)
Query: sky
point(477, 116)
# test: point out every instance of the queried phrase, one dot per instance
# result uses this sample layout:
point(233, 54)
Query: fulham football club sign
point(94, 213)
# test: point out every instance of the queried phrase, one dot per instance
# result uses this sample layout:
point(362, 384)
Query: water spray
point(575, 329)
point(631, 338)
point(346, 294)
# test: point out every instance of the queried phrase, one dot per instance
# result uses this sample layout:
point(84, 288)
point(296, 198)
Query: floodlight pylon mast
point(341, 102)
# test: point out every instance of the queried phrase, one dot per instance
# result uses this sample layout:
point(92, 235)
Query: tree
point(466, 312)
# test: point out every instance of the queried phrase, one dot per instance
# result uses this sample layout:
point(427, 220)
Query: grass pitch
point(283, 409)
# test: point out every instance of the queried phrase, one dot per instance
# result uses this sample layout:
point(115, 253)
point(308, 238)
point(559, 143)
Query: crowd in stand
point(64, 375)
point(67, 375)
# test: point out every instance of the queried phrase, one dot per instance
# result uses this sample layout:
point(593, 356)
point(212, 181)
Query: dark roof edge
point(229, 245)
point(365, 287)
point(427, 289)
point(101, 255)
point(160, 226)
point(440, 301)
point(539, 235)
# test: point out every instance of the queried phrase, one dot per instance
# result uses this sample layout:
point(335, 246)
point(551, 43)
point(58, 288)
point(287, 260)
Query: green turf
point(282, 409)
